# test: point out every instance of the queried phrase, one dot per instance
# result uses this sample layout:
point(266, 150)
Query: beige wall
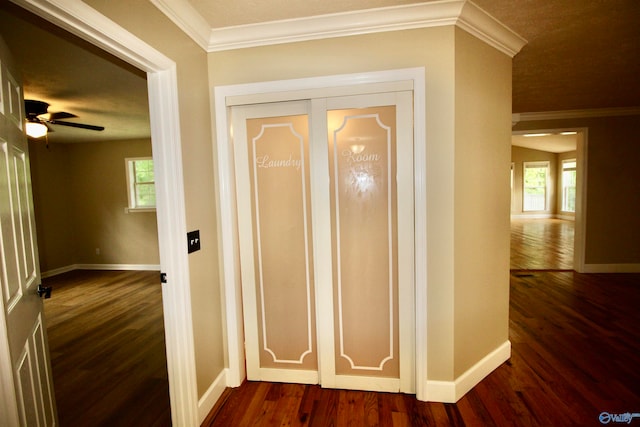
point(146, 22)
point(481, 204)
point(449, 135)
point(430, 48)
point(612, 228)
point(462, 121)
point(51, 181)
point(80, 193)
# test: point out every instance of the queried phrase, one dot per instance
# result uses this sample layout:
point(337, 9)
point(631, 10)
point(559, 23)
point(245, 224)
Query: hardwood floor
point(542, 244)
point(575, 354)
point(106, 338)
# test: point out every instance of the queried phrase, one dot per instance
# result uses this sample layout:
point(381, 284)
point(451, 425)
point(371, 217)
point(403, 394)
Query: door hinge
point(163, 277)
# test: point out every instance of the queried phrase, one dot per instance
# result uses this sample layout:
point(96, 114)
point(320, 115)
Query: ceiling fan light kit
point(39, 118)
point(36, 129)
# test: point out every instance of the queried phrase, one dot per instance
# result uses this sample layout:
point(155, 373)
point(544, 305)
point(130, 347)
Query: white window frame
point(511, 193)
point(131, 190)
point(564, 187)
point(539, 164)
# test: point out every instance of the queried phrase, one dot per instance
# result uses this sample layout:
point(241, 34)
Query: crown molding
point(187, 18)
point(82, 20)
point(575, 114)
point(462, 13)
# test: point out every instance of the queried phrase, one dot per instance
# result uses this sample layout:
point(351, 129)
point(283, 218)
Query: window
point(511, 195)
point(535, 186)
point(141, 183)
point(569, 185)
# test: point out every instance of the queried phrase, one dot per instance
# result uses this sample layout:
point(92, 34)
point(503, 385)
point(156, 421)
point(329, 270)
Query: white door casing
point(387, 198)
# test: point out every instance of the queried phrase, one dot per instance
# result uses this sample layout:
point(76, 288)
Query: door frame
point(292, 90)
point(90, 25)
point(580, 223)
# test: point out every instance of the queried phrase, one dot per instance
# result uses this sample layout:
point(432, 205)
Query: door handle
point(44, 291)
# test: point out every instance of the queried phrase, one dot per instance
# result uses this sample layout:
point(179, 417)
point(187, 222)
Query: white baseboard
point(566, 217)
point(452, 391)
point(141, 267)
point(532, 216)
point(543, 216)
point(57, 271)
point(211, 396)
point(611, 268)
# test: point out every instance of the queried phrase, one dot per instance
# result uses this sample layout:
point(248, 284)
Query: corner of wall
point(212, 395)
point(452, 391)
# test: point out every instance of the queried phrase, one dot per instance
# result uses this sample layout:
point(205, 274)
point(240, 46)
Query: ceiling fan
point(39, 119)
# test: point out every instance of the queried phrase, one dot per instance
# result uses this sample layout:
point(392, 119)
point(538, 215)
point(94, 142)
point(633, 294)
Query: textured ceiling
point(553, 143)
point(581, 54)
point(74, 76)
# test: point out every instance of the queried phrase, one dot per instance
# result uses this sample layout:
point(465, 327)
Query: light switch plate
point(193, 241)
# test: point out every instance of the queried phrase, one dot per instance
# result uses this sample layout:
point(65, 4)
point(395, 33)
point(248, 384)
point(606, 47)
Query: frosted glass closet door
point(274, 216)
point(325, 226)
point(371, 249)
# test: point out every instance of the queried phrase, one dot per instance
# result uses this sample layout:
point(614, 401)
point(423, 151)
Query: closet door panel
point(275, 220)
point(364, 235)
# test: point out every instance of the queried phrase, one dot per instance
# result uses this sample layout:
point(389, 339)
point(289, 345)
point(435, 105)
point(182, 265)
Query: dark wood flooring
point(575, 355)
point(106, 338)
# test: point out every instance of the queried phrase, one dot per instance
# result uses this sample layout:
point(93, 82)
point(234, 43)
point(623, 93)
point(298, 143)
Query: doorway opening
point(83, 21)
point(548, 181)
point(85, 239)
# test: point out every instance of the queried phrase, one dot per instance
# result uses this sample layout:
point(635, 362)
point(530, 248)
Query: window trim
point(562, 182)
point(131, 194)
point(536, 164)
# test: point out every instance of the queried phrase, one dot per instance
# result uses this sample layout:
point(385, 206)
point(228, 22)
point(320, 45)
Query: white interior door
point(24, 356)
point(325, 218)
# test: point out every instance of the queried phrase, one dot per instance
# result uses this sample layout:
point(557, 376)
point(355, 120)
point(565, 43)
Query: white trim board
point(544, 216)
point(565, 217)
point(90, 25)
point(452, 391)
point(611, 268)
point(461, 13)
point(211, 396)
point(574, 114)
point(229, 261)
point(533, 216)
point(127, 267)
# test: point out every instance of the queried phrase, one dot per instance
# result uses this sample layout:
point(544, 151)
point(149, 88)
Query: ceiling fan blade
point(76, 125)
point(61, 115)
